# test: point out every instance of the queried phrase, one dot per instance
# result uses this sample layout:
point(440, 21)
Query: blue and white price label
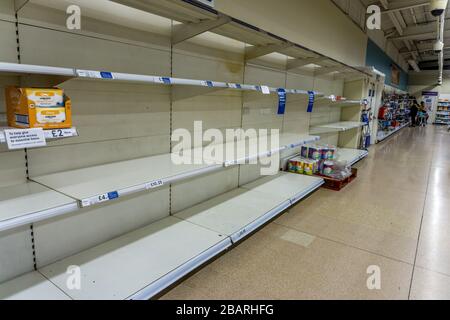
point(95, 74)
point(208, 84)
point(100, 199)
point(163, 80)
point(106, 75)
point(234, 86)
point(154, 184)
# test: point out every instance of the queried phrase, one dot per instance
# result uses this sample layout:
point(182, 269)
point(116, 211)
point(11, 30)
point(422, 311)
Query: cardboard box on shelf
point(46, 108)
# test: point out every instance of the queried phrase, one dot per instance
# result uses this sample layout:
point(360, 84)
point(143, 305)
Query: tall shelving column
point(352, 90)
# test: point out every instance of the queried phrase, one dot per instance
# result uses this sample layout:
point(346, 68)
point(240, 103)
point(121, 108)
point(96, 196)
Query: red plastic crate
point(338, 185)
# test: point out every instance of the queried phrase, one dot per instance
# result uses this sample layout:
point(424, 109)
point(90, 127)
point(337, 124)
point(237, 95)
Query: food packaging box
point(328, 152)
point(328, 168)
point(308, 168)
point(315, 153)
point(46, 108)
point(304, 151)
point(320, 169)
point(295, 165)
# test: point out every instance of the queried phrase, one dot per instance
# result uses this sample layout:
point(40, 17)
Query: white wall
point(318, 25)
point(427, 81)
point(356, 11)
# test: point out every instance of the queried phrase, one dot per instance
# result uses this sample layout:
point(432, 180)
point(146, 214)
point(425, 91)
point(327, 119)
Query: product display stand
point(443, 112)
point(394, 114)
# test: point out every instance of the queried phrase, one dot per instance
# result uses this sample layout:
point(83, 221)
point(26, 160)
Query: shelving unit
point(443, 113)
point(141, 263)
point(397, 114)
point(207, 230)
point(336, 127)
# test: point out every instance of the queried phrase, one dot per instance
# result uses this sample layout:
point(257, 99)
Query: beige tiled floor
point(395, 216)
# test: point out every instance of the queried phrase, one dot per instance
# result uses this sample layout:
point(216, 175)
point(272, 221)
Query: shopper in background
point(414, 111)
point(424, 110)
point(422, 116)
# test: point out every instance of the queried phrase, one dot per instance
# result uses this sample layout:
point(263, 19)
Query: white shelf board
point(63, 74)
point(351, 155)
point(244, 154)
point(53, 134)
point(31, 286)
point(101, 183)
point(332, 101)
point(337, 126)
point(139, 264)
point(382, 135)
point(291, 141)
point(290, 186)
point(235, 213)
point(30, 202)
point(27, 69)
point(239, 212)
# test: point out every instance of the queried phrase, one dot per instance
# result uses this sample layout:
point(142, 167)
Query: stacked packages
point(314, 159)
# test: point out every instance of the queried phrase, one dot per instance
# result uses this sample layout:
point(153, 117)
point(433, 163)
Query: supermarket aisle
point(394, 216)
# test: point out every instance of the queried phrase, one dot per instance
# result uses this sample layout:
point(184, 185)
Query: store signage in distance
point(25, 138)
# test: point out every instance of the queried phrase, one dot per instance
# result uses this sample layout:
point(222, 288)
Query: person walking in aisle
point(414, 111)
point(422, 116)
point(424, 110)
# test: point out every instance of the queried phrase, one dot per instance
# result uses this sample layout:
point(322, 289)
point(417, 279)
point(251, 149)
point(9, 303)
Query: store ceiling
point(411, 28)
